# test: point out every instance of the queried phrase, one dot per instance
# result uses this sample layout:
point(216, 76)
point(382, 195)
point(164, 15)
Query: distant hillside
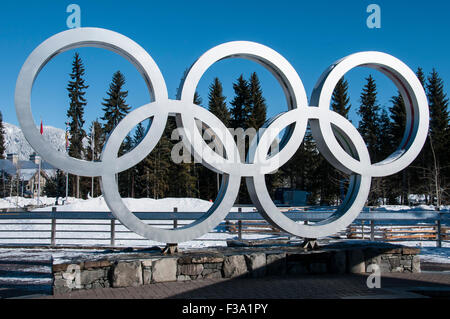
point(15, 142)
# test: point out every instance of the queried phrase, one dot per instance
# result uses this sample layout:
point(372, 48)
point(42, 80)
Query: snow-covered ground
point(96, 232)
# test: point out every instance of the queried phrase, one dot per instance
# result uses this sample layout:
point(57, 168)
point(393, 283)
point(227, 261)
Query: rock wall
point(231, 264)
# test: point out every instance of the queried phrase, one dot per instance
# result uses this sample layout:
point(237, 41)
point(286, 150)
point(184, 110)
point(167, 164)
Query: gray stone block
point(234, 266)
point(385, 266)
point(213, 275)
point(147, 276)
point(164, 270)
point(394, 261)
point(297, 269)
point(355, 261)
point(127, 274)
point(276, 264)
point(416, 264)
point(190, 269)
point(90, 276)
point(183, 278)
point(318, 268)
point(338, 263)
point(256, 264)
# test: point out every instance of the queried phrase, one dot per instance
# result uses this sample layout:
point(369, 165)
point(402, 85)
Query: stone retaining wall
point(230, 264)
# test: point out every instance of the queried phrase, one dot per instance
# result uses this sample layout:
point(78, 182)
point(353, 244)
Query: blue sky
point(310, 34)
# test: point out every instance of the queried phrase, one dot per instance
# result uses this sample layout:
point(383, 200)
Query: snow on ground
point(82, 235)
point(135, 204)
point(400, 208)
point(21, 202)
point(429, 252)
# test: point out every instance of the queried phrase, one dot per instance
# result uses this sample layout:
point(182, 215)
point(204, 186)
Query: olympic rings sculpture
point(337, 139)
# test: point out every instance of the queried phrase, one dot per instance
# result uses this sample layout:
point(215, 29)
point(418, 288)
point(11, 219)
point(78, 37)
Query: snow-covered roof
point(7, 166)
point(27, 169)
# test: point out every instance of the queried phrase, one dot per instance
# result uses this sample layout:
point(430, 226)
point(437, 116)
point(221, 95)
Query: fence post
point(372, 230)
point(113, 232)
point(175, 221)
point(362, 229)
point(240, 225)
point(53, 231)
point(438, 230)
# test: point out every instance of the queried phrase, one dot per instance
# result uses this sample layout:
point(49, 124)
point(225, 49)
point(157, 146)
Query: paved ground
point(323, 286)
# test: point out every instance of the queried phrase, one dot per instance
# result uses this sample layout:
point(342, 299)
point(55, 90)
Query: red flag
point(42, 129)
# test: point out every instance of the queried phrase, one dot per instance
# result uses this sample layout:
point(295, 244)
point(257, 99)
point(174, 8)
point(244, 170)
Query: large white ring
point(330, 130)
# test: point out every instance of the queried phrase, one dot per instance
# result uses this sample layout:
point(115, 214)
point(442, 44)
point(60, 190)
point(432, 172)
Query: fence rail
point(52, 227)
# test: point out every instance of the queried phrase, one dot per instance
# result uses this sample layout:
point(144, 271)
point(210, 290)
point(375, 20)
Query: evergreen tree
point(76, 89)
point(115, 106)
point(422, 163)
point(370, 129)
point(3, 175)
point(2, 138)
point(158, 165)
point(93, 153)
point(115, 109)
point(240, 113)
point(140, 186)
point(183, 176)
point(217, 104)
point(257, 104)
point(421, 76)
point(398, 116)
point(300, 172)
point(369, 126)
point(241, 104)
point(56, 185)
point(332, 180)
point(340, 101)
point(207, 179)
point(398, 183)
point(439, 136)
point(439, 115)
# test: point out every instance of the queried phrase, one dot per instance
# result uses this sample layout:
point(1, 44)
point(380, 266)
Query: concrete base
point(135, 268)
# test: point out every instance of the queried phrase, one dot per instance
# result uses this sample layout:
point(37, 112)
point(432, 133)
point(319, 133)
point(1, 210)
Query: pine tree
point(369, 126)
point(207, 179)
point(241, 104)
point(340, 101)
point(239, 119)
point(217, 104)
point(421, 76)
point(183, 180)
point(115, 106)
point(439, 136)
point(56, 185)
point(257, 104)
point(159, 164)
point(422, 163)
point(332, 180)
point(76, 89)
point(94, 151)
point(140, 185)
point(439, 115)
point(115, 109)
point(398, 183)
point(2, 138)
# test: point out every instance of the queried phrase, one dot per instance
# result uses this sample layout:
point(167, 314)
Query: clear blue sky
point(310, 34)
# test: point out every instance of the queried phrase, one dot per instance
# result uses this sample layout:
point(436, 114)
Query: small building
point(291, 197)
point(27, 173)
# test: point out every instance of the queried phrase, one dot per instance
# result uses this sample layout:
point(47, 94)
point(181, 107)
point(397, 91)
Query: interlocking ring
point(330, 130)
